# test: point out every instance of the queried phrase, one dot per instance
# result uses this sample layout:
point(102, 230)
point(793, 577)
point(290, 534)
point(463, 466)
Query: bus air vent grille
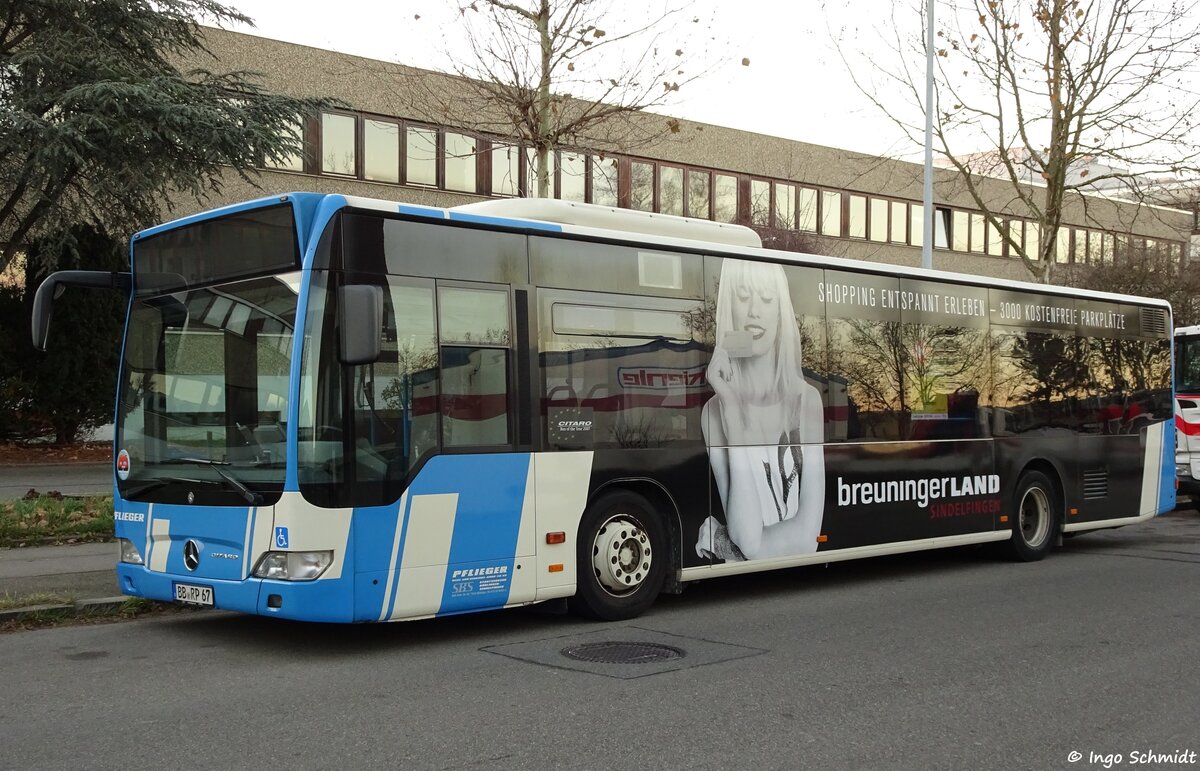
point(1095, 484)
point(1154, 321)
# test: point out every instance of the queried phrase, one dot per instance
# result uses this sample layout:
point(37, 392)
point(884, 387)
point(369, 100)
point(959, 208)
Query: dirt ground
point(85, 452)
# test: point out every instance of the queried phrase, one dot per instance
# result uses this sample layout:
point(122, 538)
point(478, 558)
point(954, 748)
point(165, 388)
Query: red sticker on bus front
point(123, 465)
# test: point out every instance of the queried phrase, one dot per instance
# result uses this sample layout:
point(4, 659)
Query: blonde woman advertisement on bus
point(763, 426)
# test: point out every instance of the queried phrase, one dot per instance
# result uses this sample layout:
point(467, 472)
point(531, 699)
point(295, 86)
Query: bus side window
point(475, 335)
point(475, 398)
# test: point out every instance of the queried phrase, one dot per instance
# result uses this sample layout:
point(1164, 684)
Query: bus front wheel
point(621, 558)
point(1037, 517)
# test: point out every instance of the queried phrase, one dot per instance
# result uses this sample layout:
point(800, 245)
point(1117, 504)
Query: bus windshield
point(1187, 364)
point(203, 396)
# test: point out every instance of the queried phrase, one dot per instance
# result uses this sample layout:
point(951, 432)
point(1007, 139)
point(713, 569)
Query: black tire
point(1036, 517)
point(625, 526)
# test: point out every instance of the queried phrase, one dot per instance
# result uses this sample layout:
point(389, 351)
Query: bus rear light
point(1003, 518)
point(822, 539)
point(557, 567)
point(129, 552)
point(1074, 512)
point(556, 537)
point(293, 565)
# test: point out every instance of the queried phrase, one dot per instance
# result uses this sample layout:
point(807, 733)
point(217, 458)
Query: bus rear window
point(251, 243)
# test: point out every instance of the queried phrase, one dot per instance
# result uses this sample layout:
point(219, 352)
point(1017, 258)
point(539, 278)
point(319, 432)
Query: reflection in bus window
point(621, 371)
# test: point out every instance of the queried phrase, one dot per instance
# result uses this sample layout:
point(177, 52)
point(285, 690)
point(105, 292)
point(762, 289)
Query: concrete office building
point(400, 140)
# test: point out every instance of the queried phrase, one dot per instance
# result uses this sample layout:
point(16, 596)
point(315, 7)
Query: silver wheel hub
point(621, 555)
point(1035, 516)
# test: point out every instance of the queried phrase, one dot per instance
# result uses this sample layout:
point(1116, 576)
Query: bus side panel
point(875, 493)
point(1158, 485)
point(1112, 476)
point(678, 471)
point(1058, 447)
point(376, 533)
point(459, 539)
point(885, 492)
point(561, 485)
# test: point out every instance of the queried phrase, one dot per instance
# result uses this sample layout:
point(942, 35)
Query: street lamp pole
point(927, 199)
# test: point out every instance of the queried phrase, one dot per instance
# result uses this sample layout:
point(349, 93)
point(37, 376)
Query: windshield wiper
point(237, 484)
point(148, 485)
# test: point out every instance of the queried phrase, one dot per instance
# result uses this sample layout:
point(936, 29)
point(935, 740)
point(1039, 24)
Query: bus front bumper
point(298, 600)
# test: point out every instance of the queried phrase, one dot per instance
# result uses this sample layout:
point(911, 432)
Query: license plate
point(194, 595)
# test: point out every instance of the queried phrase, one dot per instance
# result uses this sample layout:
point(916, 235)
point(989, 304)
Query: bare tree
point(1065, 97)
point(559, 73)
point(1147, 273)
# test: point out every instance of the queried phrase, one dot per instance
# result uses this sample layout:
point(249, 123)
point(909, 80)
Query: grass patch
point(47, 519)
point(11, 601)
point(131, 608)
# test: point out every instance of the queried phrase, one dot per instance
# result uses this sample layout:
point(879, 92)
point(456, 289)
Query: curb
point(95, 607)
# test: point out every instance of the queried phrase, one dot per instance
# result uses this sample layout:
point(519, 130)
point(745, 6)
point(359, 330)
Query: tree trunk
point(544, 141)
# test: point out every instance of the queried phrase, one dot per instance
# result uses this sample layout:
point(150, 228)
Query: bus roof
point(645, 228)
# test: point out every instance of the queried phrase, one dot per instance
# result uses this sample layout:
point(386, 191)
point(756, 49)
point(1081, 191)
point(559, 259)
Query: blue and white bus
point(340, 409)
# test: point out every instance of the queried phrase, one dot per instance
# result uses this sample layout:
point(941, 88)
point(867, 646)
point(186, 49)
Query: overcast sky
point(794, 87)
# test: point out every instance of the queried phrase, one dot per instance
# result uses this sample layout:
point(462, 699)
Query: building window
point(916, 224)
point(506, 170)
point(1033, 244)
point(337, 144)
point(785, 206)
point(420, 156)
point(1016, 228)
point(698, 197)
point(670, 190)
point(572, 176)
point(1094, 255)
point(977, 233)
point(831, 213)
point(899, 222)
point(960, 231)
point(294, 162)
point(460, 162)
point(641, 186)
point(604, 181)
point(857, 226)
point(725, 198)
point(807, 210)
point(943, 223)
point(381, 151)
point(995, 240)
point(1062, 249)
point(760, 202)
point(879, 219)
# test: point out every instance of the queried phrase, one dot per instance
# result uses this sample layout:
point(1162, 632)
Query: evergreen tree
point(99, 125)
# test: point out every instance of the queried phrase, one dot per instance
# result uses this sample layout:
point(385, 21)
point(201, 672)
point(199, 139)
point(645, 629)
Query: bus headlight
point(129, 552)
point(293, 565)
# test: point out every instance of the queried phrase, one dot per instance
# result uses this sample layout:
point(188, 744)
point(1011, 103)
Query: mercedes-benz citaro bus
point(340, 409)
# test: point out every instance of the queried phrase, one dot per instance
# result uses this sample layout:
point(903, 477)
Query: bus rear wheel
point(1038, 516)
point(621, 558)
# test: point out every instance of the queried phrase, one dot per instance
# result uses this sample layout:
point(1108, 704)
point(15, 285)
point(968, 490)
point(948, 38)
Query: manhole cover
point(623, 652)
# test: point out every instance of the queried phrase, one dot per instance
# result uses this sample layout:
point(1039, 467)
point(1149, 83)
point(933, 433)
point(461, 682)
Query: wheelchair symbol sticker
point(281, 538)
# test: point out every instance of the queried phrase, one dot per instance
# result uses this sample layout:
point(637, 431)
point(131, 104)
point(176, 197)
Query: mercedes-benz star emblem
point(191, 555)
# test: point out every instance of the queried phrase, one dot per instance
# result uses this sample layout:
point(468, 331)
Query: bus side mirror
point(360, 323)
point(52, 288)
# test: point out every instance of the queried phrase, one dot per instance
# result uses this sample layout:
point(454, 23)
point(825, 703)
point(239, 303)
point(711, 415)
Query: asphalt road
point(66, 478)
point(950, 660)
